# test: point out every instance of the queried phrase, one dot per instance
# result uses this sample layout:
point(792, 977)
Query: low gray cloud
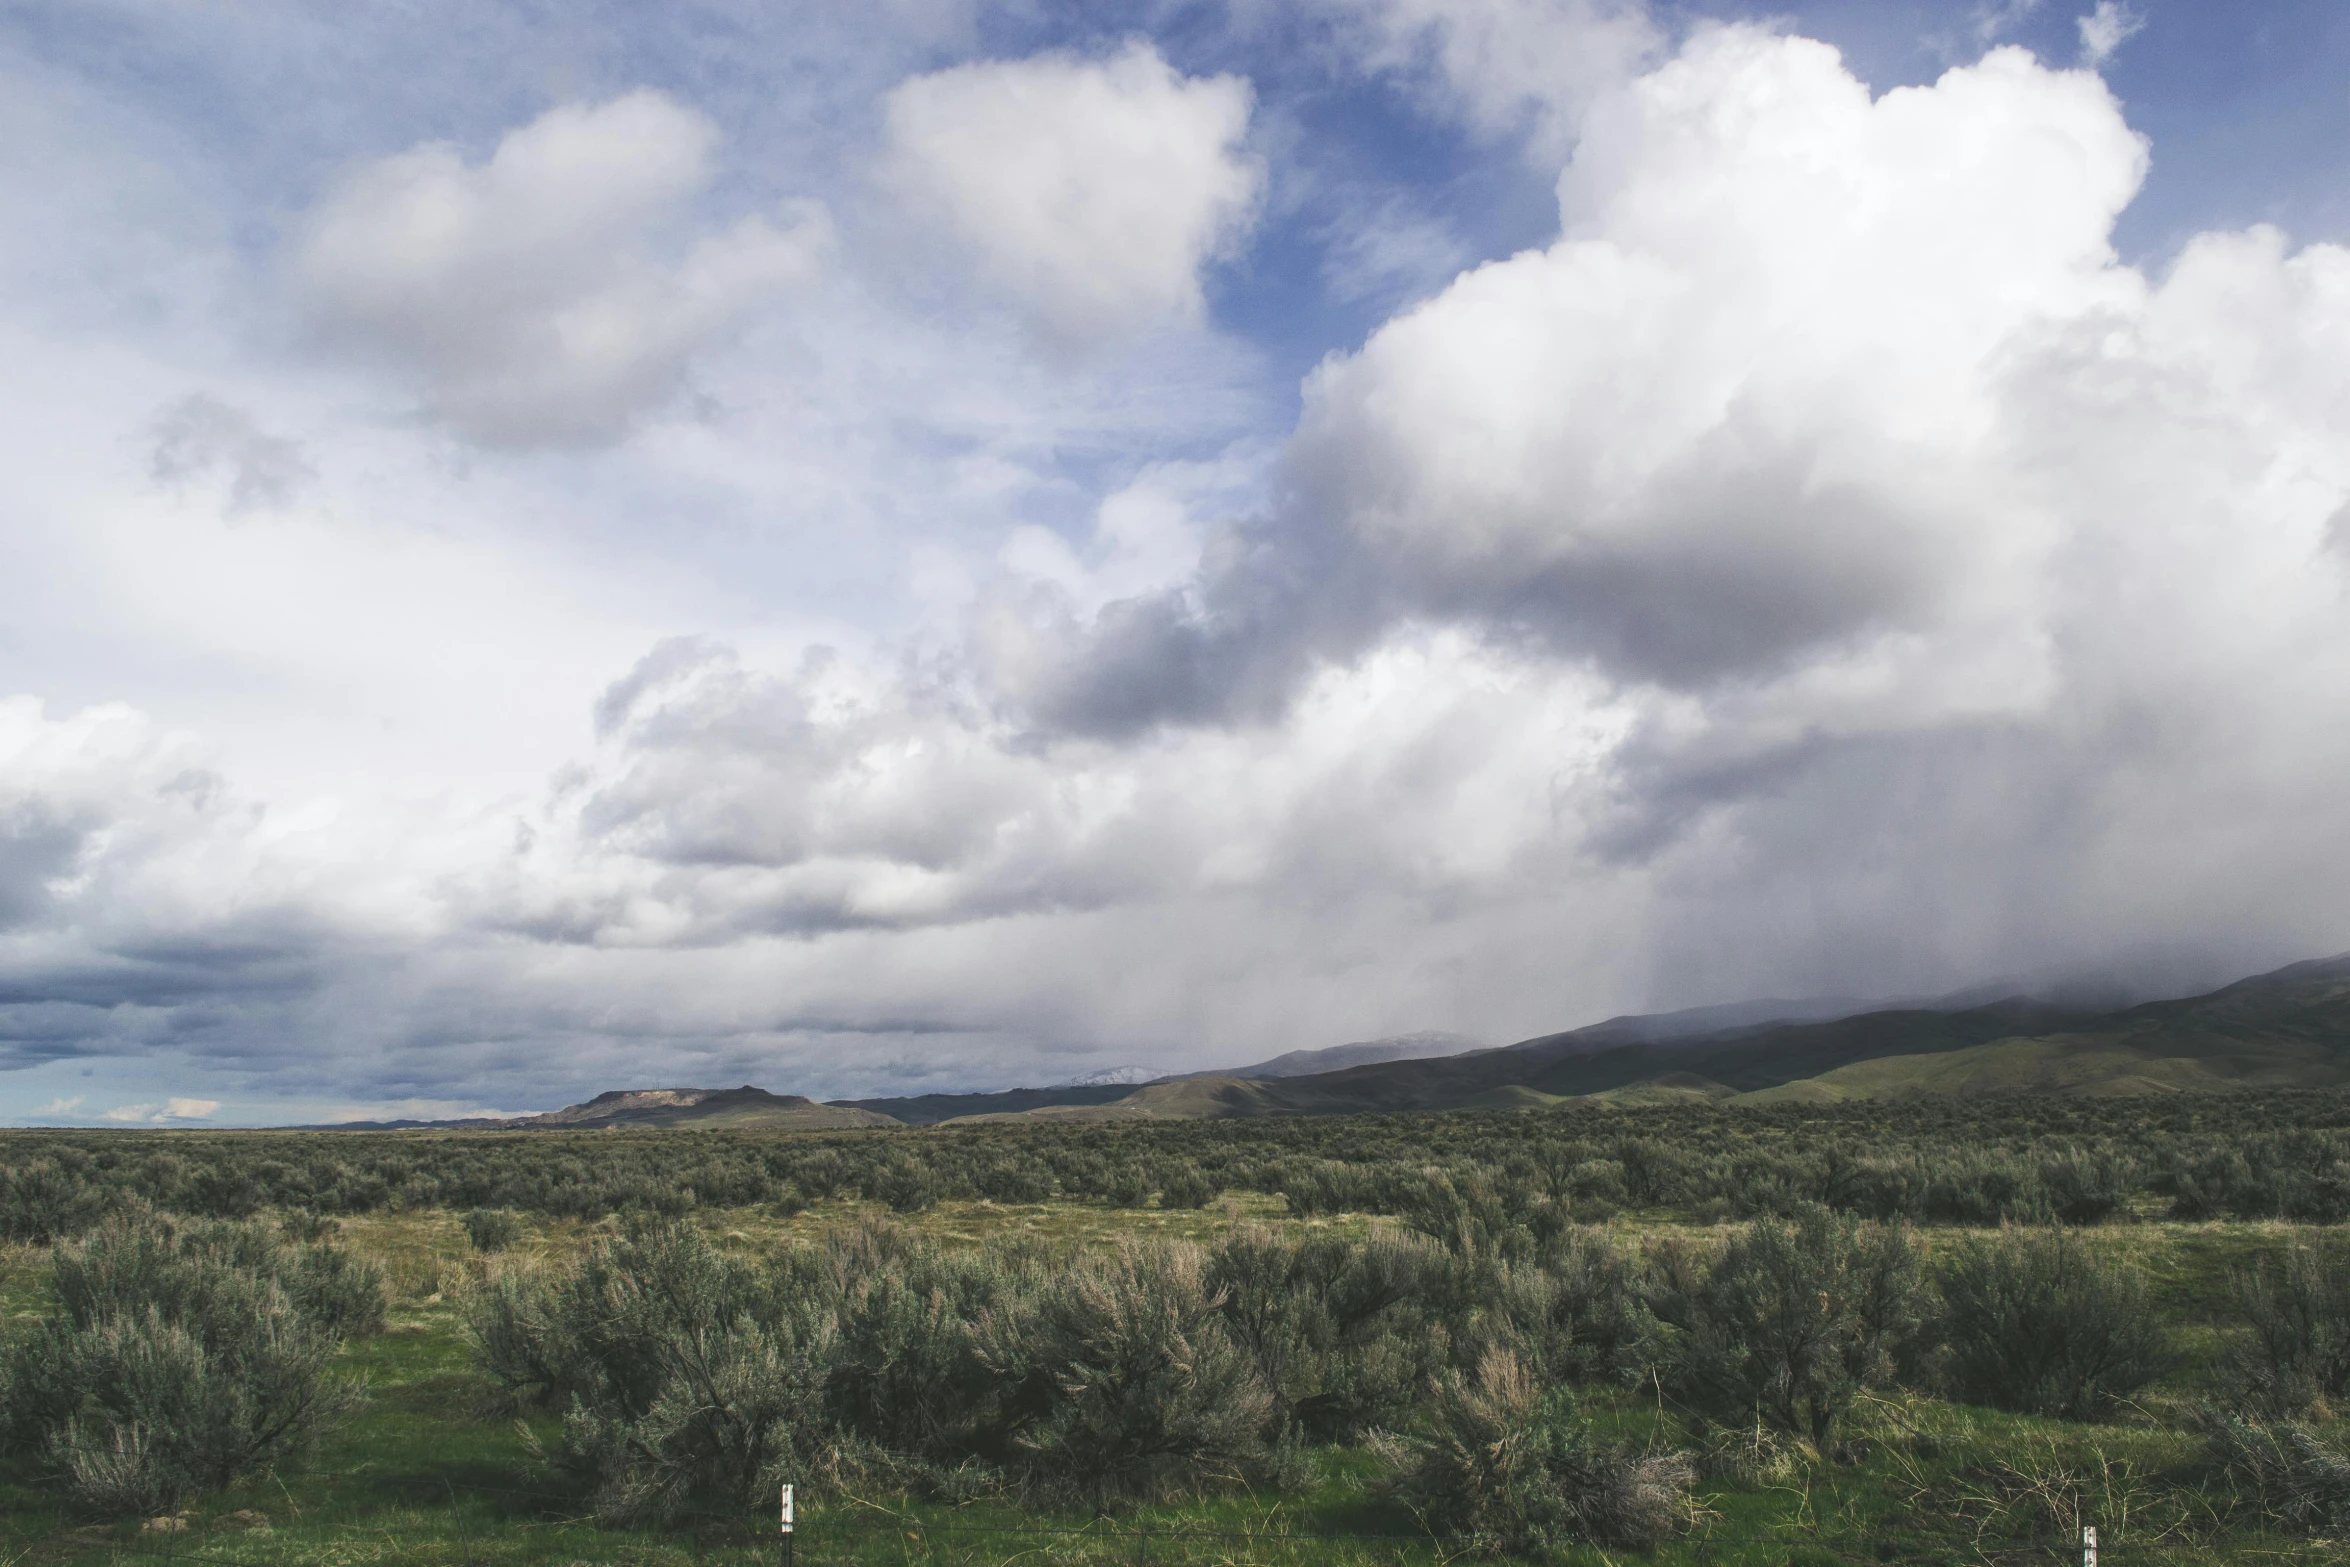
point(200, 437)
point(36, 849)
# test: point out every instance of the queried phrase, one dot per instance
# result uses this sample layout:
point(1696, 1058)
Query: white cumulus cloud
point(1733, 423)
point(1919, 542)
point(545, 295)
point(1094, 191)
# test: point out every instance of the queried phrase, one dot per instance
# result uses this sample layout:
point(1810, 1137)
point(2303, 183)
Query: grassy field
point(426, 1474)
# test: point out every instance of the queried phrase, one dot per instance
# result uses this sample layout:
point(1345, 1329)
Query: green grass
point(427, 1473)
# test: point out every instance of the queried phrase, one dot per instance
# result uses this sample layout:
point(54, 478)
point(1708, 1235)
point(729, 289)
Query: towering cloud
point(1846, 505)
point(1744, 418)
point(1918, 538)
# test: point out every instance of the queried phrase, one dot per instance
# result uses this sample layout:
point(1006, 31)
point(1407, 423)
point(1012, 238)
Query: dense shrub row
point(181, 1355)
point(687, 1377)
point(1468, 1178)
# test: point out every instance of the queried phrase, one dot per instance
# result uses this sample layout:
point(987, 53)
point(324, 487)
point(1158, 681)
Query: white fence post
point(2088, 1545)
point(787, 1527)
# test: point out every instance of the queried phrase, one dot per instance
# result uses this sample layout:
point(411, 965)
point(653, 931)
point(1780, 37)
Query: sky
point(924, 545)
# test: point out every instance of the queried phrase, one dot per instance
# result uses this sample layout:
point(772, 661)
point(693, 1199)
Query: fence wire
point(836, 1531)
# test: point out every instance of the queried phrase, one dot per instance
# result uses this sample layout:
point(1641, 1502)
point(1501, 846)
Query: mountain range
point(2286, 1029)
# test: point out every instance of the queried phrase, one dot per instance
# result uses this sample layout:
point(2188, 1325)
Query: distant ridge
point(1113, 1077)
point(1337, 1058)
point(1055, 1103)
point(930, 1109)
point(1657, 1027)
point(2285, 1029)
point(1572, 1065)
point(745, 1107)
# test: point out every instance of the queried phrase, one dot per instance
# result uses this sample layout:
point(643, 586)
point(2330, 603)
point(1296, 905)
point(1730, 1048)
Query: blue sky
point(951, 545)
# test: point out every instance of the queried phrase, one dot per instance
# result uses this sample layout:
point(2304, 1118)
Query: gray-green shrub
point(1187, 1186)
point(906, 1372)
point(2282, 1470)
point(41, 1200)
point(2295, 1352)
point(907, 1186)
point(684, 1376)
point(1580, 1311)
point(2038, 1323)
point(1340, 1331)
point(1130, 1187)
point(1794, 1319)
point(151, 1260)
point(183, 1356)
point(1012, 1183)
point(1275, 1310)
point(1514, 1469)
point(492, 1229)
point(1125, 1384)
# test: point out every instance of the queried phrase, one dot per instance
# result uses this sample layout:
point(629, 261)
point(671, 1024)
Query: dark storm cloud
point(34, 851)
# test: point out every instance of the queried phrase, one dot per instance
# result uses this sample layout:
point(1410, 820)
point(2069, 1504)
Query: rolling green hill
point(930, 1109)
point(1569, 1066)
point(2288, 1029)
